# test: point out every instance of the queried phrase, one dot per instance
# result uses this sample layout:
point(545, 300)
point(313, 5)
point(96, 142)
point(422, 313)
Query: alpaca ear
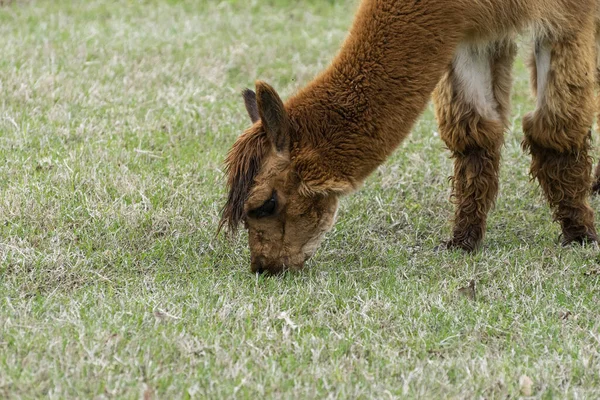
point(250, 103)
point(274, 117)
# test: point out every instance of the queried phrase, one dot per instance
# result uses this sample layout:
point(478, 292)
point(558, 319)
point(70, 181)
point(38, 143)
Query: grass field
point(115, 117)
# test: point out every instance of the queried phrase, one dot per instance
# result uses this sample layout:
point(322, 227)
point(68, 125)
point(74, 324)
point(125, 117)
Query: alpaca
point(287, 171)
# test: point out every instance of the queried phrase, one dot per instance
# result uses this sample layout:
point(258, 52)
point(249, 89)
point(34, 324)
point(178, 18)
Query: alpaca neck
point(360, 109)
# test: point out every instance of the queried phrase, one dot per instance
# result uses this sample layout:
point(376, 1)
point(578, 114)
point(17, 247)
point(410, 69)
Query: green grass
point(114, 121)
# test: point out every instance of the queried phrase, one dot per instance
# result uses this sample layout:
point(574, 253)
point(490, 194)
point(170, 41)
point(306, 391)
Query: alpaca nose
point(260, 264)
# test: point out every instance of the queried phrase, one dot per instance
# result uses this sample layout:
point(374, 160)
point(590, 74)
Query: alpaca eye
point(267, 209)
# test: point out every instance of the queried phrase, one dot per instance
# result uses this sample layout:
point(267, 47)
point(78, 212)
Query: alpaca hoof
point(468, 245)
point(587, 237)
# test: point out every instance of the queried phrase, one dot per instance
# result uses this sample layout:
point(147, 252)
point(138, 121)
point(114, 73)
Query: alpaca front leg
point(472, 103)
point(475, 186)
point(557, 133)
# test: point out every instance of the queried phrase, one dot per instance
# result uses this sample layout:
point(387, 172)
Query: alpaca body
point(299, 157)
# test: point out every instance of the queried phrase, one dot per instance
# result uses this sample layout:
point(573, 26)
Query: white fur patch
point(542, 63)
point(473, 72)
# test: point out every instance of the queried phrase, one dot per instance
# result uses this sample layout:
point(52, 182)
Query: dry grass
point(114, 119)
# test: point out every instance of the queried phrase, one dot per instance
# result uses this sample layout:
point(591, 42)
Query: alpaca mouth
point(260, 265)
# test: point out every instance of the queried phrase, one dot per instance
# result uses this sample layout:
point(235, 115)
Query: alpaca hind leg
point(557, 133)
point(472, 103)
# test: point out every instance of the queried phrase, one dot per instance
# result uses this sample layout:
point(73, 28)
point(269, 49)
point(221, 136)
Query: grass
point(114, 121)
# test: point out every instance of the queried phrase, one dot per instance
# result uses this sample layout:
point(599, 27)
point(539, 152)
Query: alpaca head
point(287, 203)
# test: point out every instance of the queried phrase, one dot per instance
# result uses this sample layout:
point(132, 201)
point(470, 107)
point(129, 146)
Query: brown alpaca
point(288, 170)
